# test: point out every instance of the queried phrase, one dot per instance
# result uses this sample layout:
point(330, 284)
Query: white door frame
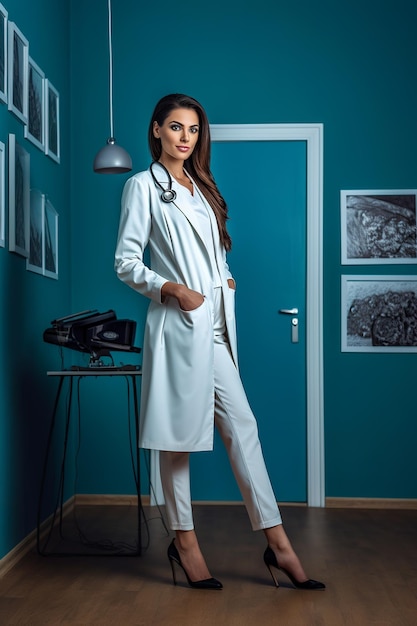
point(312, 134)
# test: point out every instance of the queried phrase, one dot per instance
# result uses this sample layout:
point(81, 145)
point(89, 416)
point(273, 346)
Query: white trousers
point(238, 429)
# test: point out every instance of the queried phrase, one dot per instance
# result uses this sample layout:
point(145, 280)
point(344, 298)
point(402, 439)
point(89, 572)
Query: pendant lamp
point(112, 159)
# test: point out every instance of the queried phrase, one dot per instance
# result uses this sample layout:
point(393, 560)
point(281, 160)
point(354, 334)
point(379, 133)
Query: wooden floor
point(368, 559)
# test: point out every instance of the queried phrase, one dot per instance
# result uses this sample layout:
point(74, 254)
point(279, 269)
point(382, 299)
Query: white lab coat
point(177, 399)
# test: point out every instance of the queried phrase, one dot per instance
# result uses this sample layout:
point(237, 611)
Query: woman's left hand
point(231, 283)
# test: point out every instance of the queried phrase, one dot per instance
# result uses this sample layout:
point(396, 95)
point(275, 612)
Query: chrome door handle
point(293, 311)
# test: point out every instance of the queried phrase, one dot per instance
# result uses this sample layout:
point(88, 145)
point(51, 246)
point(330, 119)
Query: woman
point(190, 378)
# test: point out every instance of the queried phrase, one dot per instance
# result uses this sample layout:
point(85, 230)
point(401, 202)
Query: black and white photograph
point(2, 195)
point(50, 241)
point(52, 135)
point(378, 227)
point(18, 58)
point(35, 128)
point(379, 313)
point(35, 261)
point(3, 53)
point(19, 198)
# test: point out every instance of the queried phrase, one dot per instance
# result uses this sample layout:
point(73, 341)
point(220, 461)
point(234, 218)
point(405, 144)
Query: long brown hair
point(198, 164)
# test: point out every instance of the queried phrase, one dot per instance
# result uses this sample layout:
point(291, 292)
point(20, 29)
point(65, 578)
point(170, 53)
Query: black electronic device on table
point(95, 333)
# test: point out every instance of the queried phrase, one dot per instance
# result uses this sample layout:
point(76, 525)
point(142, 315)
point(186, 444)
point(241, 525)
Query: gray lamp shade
point(112, 159)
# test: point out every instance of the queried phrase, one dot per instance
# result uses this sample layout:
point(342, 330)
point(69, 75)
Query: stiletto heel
point(271, 561)
point(274, 578)
point(174, 557)
point(174, 576)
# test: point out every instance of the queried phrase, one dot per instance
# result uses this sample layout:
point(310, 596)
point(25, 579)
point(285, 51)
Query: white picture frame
point(19, 198)
point(3, 53)
point(52, 122)
point(36, 259)
point(35, 127)
point(50, 241)
point(379, 313)
point(17, 72)
point(378, 226)
point(2, 195)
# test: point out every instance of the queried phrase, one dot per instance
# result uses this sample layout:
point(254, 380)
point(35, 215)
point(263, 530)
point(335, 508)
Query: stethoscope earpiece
point(167, 195)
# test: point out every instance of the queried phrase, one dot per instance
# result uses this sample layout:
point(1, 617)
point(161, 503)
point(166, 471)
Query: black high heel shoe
point(271, 560)
point(174, 557)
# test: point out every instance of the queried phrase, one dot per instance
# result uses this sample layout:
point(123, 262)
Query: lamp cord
point(110, 71)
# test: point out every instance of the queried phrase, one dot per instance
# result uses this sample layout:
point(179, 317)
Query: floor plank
point(368, 559)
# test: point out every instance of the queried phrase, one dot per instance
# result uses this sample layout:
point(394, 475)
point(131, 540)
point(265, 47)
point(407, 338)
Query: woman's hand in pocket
point(188, 299)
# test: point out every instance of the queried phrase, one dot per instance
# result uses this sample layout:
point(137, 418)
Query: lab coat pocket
point(230, 295)
point(192, 317)
point(188, 339)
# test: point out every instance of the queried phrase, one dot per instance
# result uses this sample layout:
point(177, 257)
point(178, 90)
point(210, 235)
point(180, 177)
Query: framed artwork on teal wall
point(43, 249)
point(17, 71)
point(3, 54)
point(378, 226)
point(379, 313)
point(52, 135)
point(35, 127)
point(2, 195)
point(51, 241)
point(19, 198)
point(36, 259)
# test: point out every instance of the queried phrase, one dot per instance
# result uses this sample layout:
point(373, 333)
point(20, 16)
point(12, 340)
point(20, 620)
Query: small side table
point(131, 374)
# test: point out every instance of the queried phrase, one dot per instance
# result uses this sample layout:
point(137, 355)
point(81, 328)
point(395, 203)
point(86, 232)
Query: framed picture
point(19, 198)
point(17, 72)
point(378, 227)
point(2, 195)
point(3, 54)
point(51, 241)
point(35, 127)
point(35, 261)
point(379, 313)
point(52, 134)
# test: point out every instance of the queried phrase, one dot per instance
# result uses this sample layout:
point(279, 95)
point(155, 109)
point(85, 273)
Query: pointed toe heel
point(270, 561)
point(175, 559)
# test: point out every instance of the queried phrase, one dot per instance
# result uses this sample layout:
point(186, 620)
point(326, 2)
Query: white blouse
point(195, 202)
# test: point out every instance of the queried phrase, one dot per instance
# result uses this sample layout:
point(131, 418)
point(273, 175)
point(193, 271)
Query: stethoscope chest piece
point(168, 195)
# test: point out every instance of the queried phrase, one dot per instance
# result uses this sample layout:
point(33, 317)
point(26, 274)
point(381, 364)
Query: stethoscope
point(167, 195)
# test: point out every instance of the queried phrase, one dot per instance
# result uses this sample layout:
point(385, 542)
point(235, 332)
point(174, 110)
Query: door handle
point(294, 322)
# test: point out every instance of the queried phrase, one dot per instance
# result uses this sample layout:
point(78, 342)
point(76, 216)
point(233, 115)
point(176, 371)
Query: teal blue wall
point(348, 65)
point(28, 300)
